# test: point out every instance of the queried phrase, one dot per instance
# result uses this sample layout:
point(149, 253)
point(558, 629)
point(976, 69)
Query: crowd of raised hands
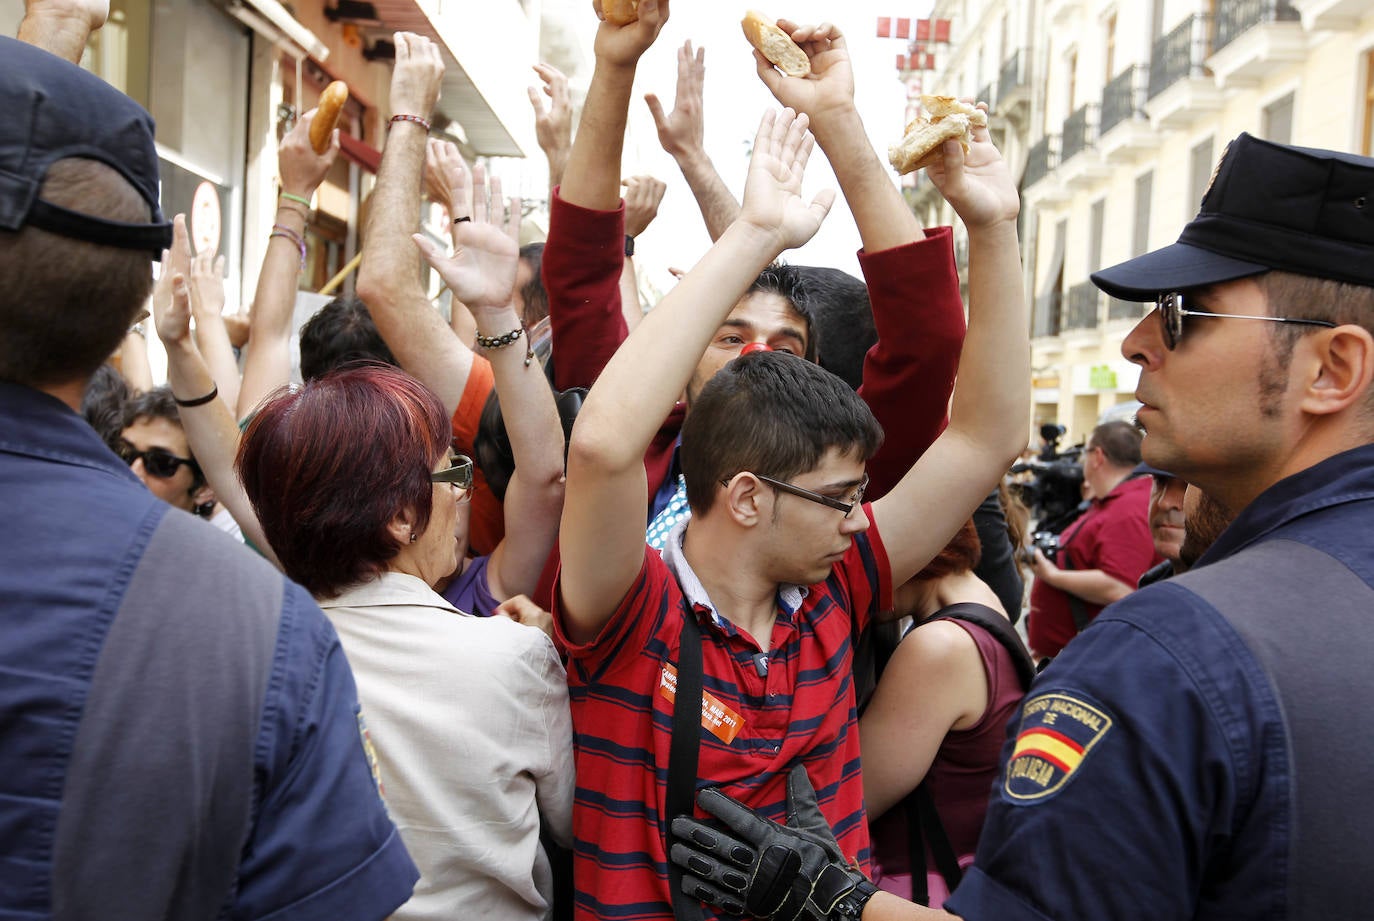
point(561, 526)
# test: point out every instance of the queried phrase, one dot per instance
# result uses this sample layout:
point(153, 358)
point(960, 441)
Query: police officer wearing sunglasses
point(1201, 750)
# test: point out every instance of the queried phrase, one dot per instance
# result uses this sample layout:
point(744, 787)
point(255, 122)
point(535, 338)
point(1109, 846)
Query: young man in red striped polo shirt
point(781, 562)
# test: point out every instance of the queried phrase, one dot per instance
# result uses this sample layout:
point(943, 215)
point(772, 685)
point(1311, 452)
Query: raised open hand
point(622, 46)
point(830, 87)
point(172, 293)
point(207, 283)
point(442, 158)
point(552, 124)
point(481, 270)
point(772, 192)
point(417, 76)
point(977, 184)
point(683, 132)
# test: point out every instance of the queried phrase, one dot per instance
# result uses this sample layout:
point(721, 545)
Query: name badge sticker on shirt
point(717, 718)
point(1057, 732)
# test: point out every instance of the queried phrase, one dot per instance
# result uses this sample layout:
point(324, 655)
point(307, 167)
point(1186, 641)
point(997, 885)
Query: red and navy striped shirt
point(802, 710)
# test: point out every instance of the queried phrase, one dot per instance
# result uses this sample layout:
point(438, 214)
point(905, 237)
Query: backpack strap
point(683, 752)
point(923, 824)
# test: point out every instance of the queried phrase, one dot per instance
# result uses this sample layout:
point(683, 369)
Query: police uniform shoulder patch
point(1056, 733)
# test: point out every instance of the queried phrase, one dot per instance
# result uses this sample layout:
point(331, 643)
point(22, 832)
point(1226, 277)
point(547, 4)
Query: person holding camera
point(1103, 554)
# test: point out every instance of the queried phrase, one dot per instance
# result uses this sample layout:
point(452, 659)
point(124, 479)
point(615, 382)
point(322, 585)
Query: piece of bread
point(620, 12)
point(943, 118)
point(327, 113)
point(775, 44)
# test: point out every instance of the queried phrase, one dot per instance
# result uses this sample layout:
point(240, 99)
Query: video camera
point(1055, 492)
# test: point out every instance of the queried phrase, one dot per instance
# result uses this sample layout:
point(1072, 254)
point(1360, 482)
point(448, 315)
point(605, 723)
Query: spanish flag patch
point(1057, 732)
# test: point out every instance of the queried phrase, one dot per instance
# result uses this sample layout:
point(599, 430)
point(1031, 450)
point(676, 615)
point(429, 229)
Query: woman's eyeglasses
point(1172, 311)
point(159, 462)
point(458, 473)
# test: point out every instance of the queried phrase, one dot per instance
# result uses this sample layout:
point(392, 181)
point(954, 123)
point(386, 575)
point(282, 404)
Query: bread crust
point(620, 12)
point(943, 118)
point(327, 115)
point(775, 45)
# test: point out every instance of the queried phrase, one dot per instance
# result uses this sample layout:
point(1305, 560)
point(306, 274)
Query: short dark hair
point(159, 403)
point(328, 467)
point(1307, 298)
point(65, 304)
point(769, 413)
point(535, 296)
point(840, 310)
point(789, 283)
point(103, 404)
point(1119, 441)
point(341, 332)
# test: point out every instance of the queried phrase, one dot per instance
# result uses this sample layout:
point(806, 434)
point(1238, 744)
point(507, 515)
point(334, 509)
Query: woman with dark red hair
point(938, 719)
point(356, 487)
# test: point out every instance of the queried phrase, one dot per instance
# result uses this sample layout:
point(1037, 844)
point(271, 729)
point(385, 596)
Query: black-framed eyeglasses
point(1172, 311)
point(159, 462)
point(840, 505)
point(459, 472)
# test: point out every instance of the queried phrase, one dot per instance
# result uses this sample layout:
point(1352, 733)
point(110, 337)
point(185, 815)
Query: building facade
point(1114, 114)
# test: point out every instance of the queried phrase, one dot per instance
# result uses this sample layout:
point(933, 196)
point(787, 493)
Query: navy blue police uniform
point(1202, 750)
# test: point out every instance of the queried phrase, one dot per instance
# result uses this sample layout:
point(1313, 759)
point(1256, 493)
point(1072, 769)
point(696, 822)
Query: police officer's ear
point(1337, 367)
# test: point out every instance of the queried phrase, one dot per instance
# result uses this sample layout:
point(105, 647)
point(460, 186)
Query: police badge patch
point(1057, 732)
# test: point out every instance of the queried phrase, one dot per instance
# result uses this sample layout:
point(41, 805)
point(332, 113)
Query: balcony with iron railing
point(1081, 307)
point(1043, 157)
point(1124, 97)
point(1181, 89)
point(1235, 17)
point(1252, 38)
point(1079, 131)
point(1013, 85)
point(1179, 54)
point(1045, 319)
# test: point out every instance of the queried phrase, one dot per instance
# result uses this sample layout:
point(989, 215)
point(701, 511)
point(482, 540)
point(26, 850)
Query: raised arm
point(584, 256)
point(210, 427)
point(389, 277)
point(62, 27)
point(553, 125)
point(913, 283)
point(987, 427)
point(602, 536)
point(267, 364)
point(827, 97)
point(212, 337)
point(481, 272)
point(683, 135)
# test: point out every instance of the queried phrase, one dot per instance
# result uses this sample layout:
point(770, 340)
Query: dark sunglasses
point(840, 505)
point(1172, 311)
point(159, 462)
point(459, 472)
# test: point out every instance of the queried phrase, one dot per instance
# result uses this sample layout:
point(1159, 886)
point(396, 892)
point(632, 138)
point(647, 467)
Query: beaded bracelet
point(419, 120)
point(286, 233)
point(491, 343)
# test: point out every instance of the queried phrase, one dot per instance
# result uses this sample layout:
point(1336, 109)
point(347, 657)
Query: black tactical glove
point(783, 872)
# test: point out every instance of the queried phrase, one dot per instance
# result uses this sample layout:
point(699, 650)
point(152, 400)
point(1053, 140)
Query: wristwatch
point(629, 245)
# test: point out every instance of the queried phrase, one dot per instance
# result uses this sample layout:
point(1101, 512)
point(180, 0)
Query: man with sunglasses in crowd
point(1201, 750)
point(180, 735)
